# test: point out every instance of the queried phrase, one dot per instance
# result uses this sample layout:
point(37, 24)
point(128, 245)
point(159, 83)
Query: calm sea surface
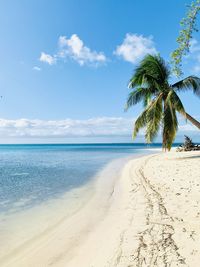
point(31, 174)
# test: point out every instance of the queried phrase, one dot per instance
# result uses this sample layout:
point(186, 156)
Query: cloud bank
point(134, 47)
point(65, 128)
point(94, 127)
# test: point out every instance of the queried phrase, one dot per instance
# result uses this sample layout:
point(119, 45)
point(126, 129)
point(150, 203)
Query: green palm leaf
point(140, 123)
point(138, 95)
point(189, 83)
point(154, 116)
point(151, 118)
point(152, 71)
point(175, 102)
point(170, 128)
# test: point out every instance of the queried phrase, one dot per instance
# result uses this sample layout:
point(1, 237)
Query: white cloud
point(94, 127)
point(75, 49)
point(134, 47)
point(36, 68)
point(47, 58)
point(65, 128)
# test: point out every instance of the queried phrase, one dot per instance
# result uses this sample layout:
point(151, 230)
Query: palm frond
point(147, 99)
point(175, 102)
point(170, 128)
point(151, 71)
point(151, 118)
point(136, 96)
point(140, 123)
point(189, 83)
point(154, 116)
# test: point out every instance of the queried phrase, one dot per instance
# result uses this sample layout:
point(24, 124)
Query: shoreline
point(76, 202)
point(147, 214)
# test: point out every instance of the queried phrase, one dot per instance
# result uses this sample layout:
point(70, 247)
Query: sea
point(43, 185)
point(31, 174)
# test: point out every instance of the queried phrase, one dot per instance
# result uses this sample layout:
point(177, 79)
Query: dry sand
point(148, 216)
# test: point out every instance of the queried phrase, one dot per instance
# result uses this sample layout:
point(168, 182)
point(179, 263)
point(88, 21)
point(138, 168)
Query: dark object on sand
point(188, 145)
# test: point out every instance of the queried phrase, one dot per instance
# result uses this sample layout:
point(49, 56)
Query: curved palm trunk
point(193, 121)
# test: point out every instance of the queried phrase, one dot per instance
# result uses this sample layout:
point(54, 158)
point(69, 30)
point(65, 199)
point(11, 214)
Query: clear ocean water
point(31, 174)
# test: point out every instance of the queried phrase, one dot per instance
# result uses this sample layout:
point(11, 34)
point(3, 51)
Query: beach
point(147, 214)
point(99, 133)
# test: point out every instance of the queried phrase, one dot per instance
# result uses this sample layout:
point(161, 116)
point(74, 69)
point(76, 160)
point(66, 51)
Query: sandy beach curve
point(148, 215)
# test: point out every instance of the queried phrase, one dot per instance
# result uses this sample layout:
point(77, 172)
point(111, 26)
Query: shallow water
point(32, 174)
point(43, 185)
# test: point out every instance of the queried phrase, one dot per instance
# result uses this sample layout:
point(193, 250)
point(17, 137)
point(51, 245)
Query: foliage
point(188, 25)
point(150, 84)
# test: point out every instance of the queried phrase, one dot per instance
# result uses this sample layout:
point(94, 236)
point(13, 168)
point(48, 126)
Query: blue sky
point(65, 66)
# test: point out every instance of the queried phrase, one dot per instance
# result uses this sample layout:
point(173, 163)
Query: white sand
point(148, 216)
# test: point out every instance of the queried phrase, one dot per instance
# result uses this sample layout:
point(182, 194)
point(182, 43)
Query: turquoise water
point(32, 174)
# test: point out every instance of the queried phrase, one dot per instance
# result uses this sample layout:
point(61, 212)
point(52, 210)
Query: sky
point(65, 67)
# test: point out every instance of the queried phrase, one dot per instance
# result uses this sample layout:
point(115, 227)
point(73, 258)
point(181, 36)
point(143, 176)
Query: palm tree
point(150, 84)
